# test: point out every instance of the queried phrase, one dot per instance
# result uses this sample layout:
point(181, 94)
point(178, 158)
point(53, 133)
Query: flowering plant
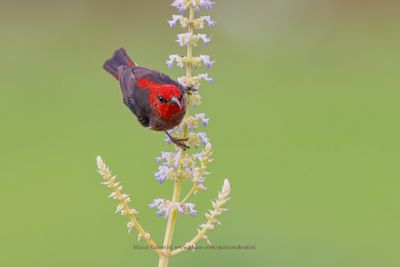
point(180, 166)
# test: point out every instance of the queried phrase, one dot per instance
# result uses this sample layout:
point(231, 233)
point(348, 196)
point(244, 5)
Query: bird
point(157, 101)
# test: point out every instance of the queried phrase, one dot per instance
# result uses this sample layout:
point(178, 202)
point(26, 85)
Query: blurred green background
point(304, 121)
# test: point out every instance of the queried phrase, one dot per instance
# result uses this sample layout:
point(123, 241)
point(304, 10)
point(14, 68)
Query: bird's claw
point(180, 142)
point(180, 139)
point(189, 90)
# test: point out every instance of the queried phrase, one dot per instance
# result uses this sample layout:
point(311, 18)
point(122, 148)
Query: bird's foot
point(189, 90)
point(180, 142)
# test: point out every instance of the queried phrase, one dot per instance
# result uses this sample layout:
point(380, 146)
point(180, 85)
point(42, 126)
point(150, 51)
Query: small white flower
point(113, 195)
point(133, 212)
point(147, 236)
point(119, 208)
point(196, 100)
point(130, 226)
point(226, 188)
point(191, 122)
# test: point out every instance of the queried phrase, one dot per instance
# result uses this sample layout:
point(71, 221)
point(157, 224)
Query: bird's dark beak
point(176, 101)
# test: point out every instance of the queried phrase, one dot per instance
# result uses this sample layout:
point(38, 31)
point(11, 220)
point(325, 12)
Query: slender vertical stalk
point(190, 47)
point(164, 259)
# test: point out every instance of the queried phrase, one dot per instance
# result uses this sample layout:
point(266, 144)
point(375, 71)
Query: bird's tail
point(120, 58)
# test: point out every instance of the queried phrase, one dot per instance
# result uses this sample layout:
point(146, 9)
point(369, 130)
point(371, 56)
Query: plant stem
point(164, 259)
point(188, 194)
point(190, 47)
point(140, 229)
point(170, 226)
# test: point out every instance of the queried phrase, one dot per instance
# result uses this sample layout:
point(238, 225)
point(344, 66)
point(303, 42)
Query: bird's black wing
point(136, 100)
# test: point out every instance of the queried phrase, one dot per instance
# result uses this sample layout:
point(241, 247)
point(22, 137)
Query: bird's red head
point(167, 101)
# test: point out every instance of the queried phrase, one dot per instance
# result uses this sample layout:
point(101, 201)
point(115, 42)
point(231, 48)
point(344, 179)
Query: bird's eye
point(162, 99)
point(180, 98)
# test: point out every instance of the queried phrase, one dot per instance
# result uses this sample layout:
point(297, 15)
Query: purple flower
point(184, 39)
point(188, 168)
point(172, 160)
point(171, 23)
point(202, 117)
point(180, 128)
point(163, 173)
point(203, 137)
point(180, 5)
point(156, 202)
point(170, 61)
point(168, 140)
point(159, 212)
point(200, 181)
point(159, 203)
point(207, 4)
point(180, 209)
point(210, 22)
point(177, 158)
point(182, 81)
point(204, 37)
point(189, 207)
point(175, 18)
point(206, 61)
point(188, 37)
point(164, 156)
point(167, 210)
point(166, 207)
point(199, 155)
point(205, 77)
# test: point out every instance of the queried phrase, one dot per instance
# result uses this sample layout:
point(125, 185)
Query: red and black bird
point(158, 102)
